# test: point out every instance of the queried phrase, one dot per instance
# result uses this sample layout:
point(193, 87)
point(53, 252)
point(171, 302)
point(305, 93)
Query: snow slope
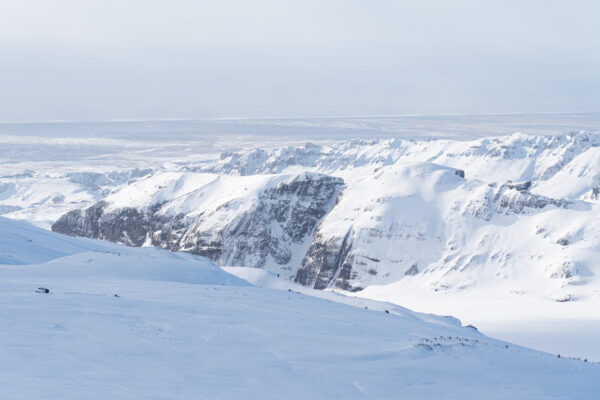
point(171, 333)
point(23, 245)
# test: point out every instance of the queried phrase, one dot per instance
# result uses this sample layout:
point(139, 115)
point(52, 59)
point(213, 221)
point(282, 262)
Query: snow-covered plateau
point(446, 215)
point(130, 323)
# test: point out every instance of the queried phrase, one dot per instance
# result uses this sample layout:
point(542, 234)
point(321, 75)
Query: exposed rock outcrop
point(280, 217)
point(328, 261)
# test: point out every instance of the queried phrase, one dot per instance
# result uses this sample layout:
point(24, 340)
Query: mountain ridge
point(439, 212)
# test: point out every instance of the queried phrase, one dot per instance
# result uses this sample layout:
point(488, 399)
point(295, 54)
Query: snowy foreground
point(181, 328)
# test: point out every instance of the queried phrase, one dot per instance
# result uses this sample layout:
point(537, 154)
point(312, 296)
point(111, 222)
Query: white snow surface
point(143, 323)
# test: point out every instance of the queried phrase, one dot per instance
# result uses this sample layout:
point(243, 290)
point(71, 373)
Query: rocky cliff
point(266, 226)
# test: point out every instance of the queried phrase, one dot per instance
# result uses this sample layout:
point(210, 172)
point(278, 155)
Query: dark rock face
point(328, 262)
point(413, 270)
point(282, 216)
point(512, 198)
point(126, 225)
point(516, 199)
point(460, 173)
point(521, 187)
point(81, 222)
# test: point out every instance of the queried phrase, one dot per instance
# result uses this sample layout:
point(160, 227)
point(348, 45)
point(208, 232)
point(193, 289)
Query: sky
point(167, 59)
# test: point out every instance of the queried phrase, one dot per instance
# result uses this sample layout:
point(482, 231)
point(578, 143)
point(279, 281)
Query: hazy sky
point(154, 59)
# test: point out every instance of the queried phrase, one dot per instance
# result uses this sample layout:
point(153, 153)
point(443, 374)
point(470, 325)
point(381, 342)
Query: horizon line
point(275, 118)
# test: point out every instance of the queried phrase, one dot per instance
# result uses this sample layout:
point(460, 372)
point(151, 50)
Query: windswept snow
point(144, 323)
point(21, 244)
point(43, 255)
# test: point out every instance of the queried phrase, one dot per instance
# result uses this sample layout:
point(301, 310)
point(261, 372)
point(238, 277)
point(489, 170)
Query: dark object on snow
point(387, 312)
point(116, 295)
point(42, 290)
point(564, 299)
point(459, 172)
point(558, 356)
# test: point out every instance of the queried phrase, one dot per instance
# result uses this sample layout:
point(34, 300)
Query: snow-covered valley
point(462, 217)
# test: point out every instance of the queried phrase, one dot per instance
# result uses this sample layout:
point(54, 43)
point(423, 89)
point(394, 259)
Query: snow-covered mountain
point(518, 213)
point(123, 322)
point(232, 220)
point(42, 195)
